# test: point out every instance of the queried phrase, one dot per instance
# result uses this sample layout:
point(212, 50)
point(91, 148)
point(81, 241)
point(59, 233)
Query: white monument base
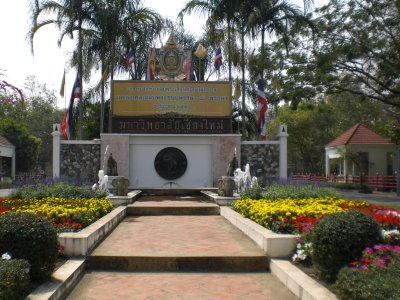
point(207, 157)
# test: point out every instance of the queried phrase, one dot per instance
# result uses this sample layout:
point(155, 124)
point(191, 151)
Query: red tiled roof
point(4, 141)
point(359, 135)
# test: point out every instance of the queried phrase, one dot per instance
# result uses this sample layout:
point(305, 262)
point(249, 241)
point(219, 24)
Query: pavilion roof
point(359, 135)
point(4, 141)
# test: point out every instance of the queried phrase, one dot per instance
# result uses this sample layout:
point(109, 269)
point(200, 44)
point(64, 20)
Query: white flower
point(301, 255)
point(390, 232)
point(307, 245)
point(6, 256)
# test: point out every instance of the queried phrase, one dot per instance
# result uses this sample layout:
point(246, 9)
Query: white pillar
point(283, 151)
point(398, 170)
point(327, 166)
point(56, 149)
point(13, 164)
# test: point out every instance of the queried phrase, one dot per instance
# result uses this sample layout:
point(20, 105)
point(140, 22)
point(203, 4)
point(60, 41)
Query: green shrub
point(377, 284)
point(347, 186)
point(339, 239)
point(31, 237)
point(255, 192)
point(365, 189)
point(298, 191)
point(14, 279)
point(60, 190)
point(5, 183)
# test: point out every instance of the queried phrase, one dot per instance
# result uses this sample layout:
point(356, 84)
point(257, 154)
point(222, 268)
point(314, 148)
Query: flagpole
point(199, 69)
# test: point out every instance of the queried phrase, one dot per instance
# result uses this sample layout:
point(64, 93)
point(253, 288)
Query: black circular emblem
point(170, 163)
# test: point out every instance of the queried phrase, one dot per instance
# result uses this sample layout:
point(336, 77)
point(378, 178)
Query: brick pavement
point(97, 285)
point(170, 243)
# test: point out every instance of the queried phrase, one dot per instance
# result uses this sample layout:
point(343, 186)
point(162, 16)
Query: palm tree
point(117, 27)
point(70, 17)
point(248, 16)
point(219, 13)
point(274, 17)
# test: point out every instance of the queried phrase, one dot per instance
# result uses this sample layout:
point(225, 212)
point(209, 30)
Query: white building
point(7, 159)
point(360, 151)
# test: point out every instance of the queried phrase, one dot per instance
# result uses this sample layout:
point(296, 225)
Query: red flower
point(366, 261)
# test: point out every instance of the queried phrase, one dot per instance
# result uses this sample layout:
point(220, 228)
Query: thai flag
point(129, 60)
point(66, 125)
point(218, 59)
point(151, 65)
point(262, 99)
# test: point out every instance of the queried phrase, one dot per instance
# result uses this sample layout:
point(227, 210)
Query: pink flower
point(380, 263)
point(369, 250)
point(364, 267)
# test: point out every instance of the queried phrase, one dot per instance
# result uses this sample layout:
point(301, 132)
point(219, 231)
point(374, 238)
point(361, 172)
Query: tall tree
point(358, 48)
point(275, 18)
point(117, 27)
point(70, 16)
point(311, 125)
point(32, 119)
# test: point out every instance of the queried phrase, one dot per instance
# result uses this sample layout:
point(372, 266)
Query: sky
point(48, 61)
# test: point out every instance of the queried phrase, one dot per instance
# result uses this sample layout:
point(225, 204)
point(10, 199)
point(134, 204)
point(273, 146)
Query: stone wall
point(263, 159)
point(80, 161)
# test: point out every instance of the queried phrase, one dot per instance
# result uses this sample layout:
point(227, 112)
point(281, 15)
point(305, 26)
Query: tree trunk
point(80, 72)
point(262, 51)
point(398, 170)
point(102, 101)
point(111, 80)
point(229, 51)
point(244, 133)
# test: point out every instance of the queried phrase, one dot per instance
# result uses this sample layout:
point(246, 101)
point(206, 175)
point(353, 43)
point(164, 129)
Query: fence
point(374, 182)
point(30, 177)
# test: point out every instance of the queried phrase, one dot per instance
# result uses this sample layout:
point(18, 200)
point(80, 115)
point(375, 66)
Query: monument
point(171, 131)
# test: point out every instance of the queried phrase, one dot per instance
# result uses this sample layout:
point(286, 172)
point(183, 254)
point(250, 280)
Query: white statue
point(253, 181)
point(243, 179)
point(103, 179)
point(239, 179)
point(247, 177)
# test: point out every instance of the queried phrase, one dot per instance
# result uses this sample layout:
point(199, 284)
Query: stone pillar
point(283, 151)
point(56, 149)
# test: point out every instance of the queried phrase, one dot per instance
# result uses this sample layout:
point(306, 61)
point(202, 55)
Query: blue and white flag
point(66, 125)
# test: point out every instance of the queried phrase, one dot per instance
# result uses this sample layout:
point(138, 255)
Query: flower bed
point(356, 279)
point(292, 215)
point(66, 215)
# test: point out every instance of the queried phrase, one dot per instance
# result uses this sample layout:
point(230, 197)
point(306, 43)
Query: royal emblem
point(171, 59)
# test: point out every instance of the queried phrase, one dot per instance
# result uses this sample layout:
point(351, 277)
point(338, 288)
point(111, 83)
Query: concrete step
point(179, 285)
point(179, 264)
point(178, 243)
point(175, 210)
point(172, 205)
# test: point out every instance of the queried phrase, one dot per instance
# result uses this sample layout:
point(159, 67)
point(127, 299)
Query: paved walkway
point(375, 197)
point(97, 285)
point(178, 257)
point(5, 192)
